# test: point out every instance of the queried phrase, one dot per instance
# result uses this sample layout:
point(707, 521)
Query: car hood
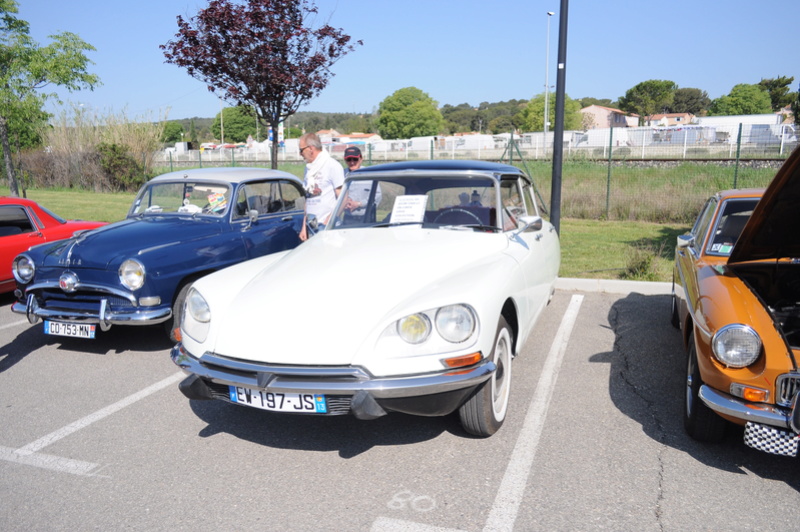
point(332, 296)
point(129, 238)
point(771, 232)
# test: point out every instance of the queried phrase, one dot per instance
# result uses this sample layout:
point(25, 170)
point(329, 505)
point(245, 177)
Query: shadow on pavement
point(646, 383)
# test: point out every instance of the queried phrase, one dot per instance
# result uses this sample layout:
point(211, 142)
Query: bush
point(642, 263)
point(122, 170)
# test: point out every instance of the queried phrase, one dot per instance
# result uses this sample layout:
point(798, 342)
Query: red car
point(25, 223)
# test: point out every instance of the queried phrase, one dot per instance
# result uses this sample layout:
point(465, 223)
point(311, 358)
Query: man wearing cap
point(323, 181)
point(358, 191)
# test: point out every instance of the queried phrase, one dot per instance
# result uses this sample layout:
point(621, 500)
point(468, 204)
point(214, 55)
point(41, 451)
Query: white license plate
point(308, 403)
point(75, 330)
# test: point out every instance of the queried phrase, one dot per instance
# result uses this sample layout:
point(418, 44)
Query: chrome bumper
point(763, 414)
point(104, 317)
point(328, 380)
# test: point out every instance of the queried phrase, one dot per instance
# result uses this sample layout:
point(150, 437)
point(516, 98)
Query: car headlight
point(23, 269)
point(131, 274)
point(197, 317)
point(455, 323)
point(736, 345)
point(414, 329)
point(197, 307)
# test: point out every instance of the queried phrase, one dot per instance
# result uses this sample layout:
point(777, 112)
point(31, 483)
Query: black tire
point(675, 319)
point(483, 414)
point(700, 422)
point(172, 325)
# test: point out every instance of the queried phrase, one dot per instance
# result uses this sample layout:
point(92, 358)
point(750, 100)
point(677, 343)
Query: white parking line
point(509, 496)
point(97, 416)
point(512, 487)
point(14, 324)
point(29, 454)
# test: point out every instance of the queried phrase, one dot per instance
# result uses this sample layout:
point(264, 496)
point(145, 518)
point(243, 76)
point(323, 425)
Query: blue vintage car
point(181, 226)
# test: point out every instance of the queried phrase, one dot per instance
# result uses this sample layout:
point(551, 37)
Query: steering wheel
point(457, 214)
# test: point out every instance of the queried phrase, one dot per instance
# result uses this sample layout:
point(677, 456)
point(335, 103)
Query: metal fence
point(689, 142)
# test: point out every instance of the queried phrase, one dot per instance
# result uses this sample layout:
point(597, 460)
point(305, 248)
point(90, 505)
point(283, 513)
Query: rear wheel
point(700, 422)
point(483, 414)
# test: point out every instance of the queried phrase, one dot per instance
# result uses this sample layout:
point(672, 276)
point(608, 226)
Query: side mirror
point(529, 224)
point(685, 241)
point(253, 215)
point(312, 222)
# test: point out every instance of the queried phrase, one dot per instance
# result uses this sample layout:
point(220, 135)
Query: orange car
point(736, 299)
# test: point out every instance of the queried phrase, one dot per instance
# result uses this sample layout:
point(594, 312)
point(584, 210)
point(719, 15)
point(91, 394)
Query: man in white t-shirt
point(323, 181)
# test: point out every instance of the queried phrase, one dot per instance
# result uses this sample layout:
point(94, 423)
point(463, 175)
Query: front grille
point(80, 301)
point(337, 404)
point(786, 388)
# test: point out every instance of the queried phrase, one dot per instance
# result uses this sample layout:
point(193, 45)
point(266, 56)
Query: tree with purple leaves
point(267, 54)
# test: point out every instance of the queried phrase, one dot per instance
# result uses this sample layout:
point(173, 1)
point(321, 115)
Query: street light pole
point(547, 79)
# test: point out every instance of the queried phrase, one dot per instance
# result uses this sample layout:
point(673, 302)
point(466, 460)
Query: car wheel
point(173, 324)
point(483, 414)
point(700, 422)
point(675, 318)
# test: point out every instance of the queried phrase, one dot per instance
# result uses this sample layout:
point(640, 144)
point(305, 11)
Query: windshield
point(183, 198)
point(734, 214)
point(443, 202)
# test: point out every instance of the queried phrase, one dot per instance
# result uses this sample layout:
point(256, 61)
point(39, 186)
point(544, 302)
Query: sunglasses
point(351, 159)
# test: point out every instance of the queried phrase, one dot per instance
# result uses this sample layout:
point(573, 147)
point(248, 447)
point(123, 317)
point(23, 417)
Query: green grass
point(605, 249)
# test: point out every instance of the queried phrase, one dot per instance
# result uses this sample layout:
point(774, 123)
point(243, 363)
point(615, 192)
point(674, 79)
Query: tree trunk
point(273, 149)
point(12, 176)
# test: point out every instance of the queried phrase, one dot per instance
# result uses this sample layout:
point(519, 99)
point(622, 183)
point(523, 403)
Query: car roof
point(11, 200)
point(457, 166)
point(231, 174)
point(741, 193)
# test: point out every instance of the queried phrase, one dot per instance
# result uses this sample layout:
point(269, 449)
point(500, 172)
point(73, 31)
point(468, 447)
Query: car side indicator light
point(754, 395)
point(463, 360)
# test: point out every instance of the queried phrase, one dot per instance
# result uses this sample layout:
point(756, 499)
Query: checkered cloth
point(770, 440)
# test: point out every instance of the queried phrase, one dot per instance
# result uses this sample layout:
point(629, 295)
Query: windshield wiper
point(396, 224)
point(475, 227)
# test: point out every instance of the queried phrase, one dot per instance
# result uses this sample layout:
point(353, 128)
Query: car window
point(530, 204)
point(734, 215)
point(512, 203)
point(267, 197)
point(435, 202)
point(182, 198)
point(14, 220)
point(703, 221)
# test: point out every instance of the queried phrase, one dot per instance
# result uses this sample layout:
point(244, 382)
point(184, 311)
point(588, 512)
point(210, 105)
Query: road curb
point(610, 286)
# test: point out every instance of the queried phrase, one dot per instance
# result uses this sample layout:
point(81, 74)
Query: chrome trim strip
point(329, 381)
point(140, 317)
point(741, 409)
point(87, 287)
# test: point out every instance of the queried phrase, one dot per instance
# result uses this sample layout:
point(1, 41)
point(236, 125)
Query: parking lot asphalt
point(96, 436)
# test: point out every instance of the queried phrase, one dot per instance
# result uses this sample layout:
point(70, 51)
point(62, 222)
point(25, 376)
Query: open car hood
point(773, 230)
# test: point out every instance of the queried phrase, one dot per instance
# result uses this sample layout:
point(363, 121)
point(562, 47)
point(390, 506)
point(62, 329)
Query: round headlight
point(131, 274)
point(23, 269)
point(736, 346)
point(414, 329)
point(197, 308)
point(455, 323)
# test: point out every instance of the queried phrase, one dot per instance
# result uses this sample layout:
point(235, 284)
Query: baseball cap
point(352, 151)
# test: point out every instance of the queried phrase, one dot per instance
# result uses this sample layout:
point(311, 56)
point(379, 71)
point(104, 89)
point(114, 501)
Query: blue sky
point(462, 51)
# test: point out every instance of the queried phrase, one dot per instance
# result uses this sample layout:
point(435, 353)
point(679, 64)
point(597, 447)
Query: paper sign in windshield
point(409, 209)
